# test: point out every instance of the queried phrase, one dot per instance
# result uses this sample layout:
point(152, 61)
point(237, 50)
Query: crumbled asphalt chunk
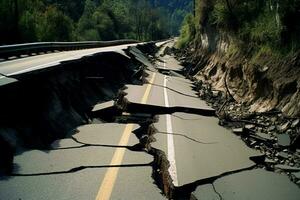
point(295, 123)
point(264, 136)
point(270, 161)
point(283, 155)
point(271, 128)
point(284, 140)
point(238, 131)
point(249, 126)
point(102, 106)
point(288, 168)
point(284, 127)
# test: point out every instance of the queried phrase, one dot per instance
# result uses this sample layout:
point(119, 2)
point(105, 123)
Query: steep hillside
point(248, 49)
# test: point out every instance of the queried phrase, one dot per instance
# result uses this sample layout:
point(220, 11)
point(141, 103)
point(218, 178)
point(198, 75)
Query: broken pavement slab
point(174, 83)
point(102, 106)
point(206, 192)
point(106, 110)
point(141, 58)
point(57, 186)
point(179, 95)
point(4, 80)
point(136, 182)
point(71, 165)
point(107, 134)
point(65, 143)
point(101, 141)
point(169, 64)
point(212, 150)
point(255, 184)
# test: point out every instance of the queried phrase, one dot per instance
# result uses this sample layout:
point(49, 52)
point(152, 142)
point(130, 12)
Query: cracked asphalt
point(177, 151)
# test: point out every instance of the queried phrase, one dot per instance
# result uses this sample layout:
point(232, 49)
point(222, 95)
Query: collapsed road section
point(125, 126)
point(44, 104)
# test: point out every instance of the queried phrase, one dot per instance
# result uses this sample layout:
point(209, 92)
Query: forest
point(23, 21)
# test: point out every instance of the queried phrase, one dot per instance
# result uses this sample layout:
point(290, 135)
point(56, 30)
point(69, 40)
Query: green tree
point(95, 23)
point(55, 26)
point(104, 25)
point(187, 31)
point(86, 27)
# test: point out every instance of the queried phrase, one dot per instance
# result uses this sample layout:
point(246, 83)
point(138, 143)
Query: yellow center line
point(110, 177)
point(148, 89)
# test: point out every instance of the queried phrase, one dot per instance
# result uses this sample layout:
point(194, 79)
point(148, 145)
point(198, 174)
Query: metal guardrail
point(32, 48)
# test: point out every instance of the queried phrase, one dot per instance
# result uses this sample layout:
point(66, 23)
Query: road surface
point(11, 68)
point(108, 160)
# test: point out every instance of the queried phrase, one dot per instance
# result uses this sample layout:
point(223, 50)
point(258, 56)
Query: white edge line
point(51, 64)
point(170, 140)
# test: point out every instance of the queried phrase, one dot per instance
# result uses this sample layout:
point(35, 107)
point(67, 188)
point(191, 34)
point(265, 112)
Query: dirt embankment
point(260, 83)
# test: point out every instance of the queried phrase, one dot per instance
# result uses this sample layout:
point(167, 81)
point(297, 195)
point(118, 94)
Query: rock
point(284, 127)
point(215, 93)
point(297, 175)
point(260, 121)
point(238, 131)
point(295, 123)
point(273, 119)
point(284, 140)
point(283, 155)
point(264, 136)
point(249, 126)
point(271, 128)
point(287, 168)
point(253, 143)
point(270, 161)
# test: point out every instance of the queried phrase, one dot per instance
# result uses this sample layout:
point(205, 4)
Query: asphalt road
point(102, 161)
point(75, 168)
point(30, 63)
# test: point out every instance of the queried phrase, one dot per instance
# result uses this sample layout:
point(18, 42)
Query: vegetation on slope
point(249, 48)
point(271, 25)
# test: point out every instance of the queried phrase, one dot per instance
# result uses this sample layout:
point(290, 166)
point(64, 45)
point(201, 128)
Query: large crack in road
point(145, 135)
